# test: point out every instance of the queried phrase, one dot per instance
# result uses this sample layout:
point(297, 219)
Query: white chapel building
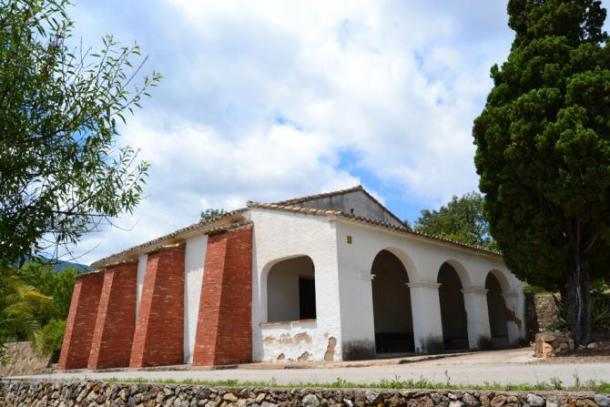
point(329, 277)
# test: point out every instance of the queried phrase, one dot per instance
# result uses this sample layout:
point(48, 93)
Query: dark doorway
point(391, 305)
point(307, 298)
point(497, 311)
point(453, 312)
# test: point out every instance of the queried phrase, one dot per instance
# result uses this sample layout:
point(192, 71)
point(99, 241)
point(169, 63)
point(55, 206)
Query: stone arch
point(290, 287)
point(502, 279)
point(496, 307)
point(391, 298)
point(453, 311)
point(461, 271)
point(405, 259)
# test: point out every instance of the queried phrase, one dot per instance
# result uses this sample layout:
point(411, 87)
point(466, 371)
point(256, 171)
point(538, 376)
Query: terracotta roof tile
point(235, 219)
point(364, 220)
point(220, 223)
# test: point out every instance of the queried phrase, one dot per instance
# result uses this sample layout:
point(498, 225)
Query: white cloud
point(262, 99)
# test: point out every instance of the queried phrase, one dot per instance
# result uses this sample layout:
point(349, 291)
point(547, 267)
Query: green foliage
point(23, 307)
point(463, 219)
point(62, 172)
point(394, 383)
point(47, 340)
point(210, 214)
point(543, 149)
point(56, 284)
point(34, 303)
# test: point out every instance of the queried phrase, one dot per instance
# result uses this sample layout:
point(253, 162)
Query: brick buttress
point(224, 327)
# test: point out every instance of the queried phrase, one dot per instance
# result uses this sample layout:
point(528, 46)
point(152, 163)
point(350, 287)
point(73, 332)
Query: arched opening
point(291, 291)
point(497, 311)
point(453, 311)
point(391, 305)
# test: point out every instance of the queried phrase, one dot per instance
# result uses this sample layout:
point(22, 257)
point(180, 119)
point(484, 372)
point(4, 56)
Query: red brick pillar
point(158, 337)
point(116, 318)
point(81, 322)
point(224, 326)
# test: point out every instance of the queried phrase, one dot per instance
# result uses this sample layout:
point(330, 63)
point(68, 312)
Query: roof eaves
point(356, 188)
point(373, 222)
point(210, 226)
point(404, 230)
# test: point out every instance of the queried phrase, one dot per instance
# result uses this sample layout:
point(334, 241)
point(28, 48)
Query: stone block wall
point(21, 359)
point(550, 344)
point(18, 393)
point(542, 313)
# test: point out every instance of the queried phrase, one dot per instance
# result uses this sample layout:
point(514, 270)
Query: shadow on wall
point(434, 344)
point(359, 350)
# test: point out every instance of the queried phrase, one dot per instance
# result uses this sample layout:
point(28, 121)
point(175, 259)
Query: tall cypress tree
point(543, 150)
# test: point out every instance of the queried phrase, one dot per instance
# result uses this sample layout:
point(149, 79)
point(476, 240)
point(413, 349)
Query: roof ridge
point(355, 188)
point(306, 198)
point(295, 208)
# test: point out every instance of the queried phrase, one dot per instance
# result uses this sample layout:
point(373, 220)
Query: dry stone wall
point(24, 393)
point(23, 360)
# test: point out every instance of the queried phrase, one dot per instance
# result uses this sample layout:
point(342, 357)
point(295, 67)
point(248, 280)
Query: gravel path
point(515, 366)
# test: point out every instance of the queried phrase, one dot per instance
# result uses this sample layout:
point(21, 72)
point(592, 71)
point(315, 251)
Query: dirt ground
point(513, 366)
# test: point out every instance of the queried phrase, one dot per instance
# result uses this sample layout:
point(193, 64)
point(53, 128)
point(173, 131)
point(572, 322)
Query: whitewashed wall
point(294, 341)
point(278, 236)
point(141, 272)
point(194, 260)
point(422, 260)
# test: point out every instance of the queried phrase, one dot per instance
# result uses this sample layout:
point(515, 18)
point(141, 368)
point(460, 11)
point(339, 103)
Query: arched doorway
point(497, 311)
point(291, 292)
point(453, 311)
point(391, 305)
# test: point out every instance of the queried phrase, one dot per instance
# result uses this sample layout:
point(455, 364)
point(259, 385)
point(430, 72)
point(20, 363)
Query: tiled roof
point(235, 219)
point(296, 201)
point(364, 220)
point(218, 224)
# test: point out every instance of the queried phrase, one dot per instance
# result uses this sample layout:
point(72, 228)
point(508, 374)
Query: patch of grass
point(393, 384)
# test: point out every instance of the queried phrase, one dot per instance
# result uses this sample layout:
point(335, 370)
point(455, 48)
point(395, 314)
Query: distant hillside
point(60, 265)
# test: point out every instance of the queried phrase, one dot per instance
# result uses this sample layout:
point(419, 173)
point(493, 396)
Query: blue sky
point(268, 100)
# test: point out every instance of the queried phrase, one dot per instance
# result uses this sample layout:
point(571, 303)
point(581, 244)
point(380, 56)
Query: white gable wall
point(356, 202)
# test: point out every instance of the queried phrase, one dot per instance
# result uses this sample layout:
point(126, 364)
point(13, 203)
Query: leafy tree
point(63, 173)
point(55, 284)
point(210, 214)
point(22, 308)
point(47, 340)
point(462, 219)
point(543, 151)
point(34, 304)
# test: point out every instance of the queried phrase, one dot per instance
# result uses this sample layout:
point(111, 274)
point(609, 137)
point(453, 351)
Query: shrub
point(47, 340)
